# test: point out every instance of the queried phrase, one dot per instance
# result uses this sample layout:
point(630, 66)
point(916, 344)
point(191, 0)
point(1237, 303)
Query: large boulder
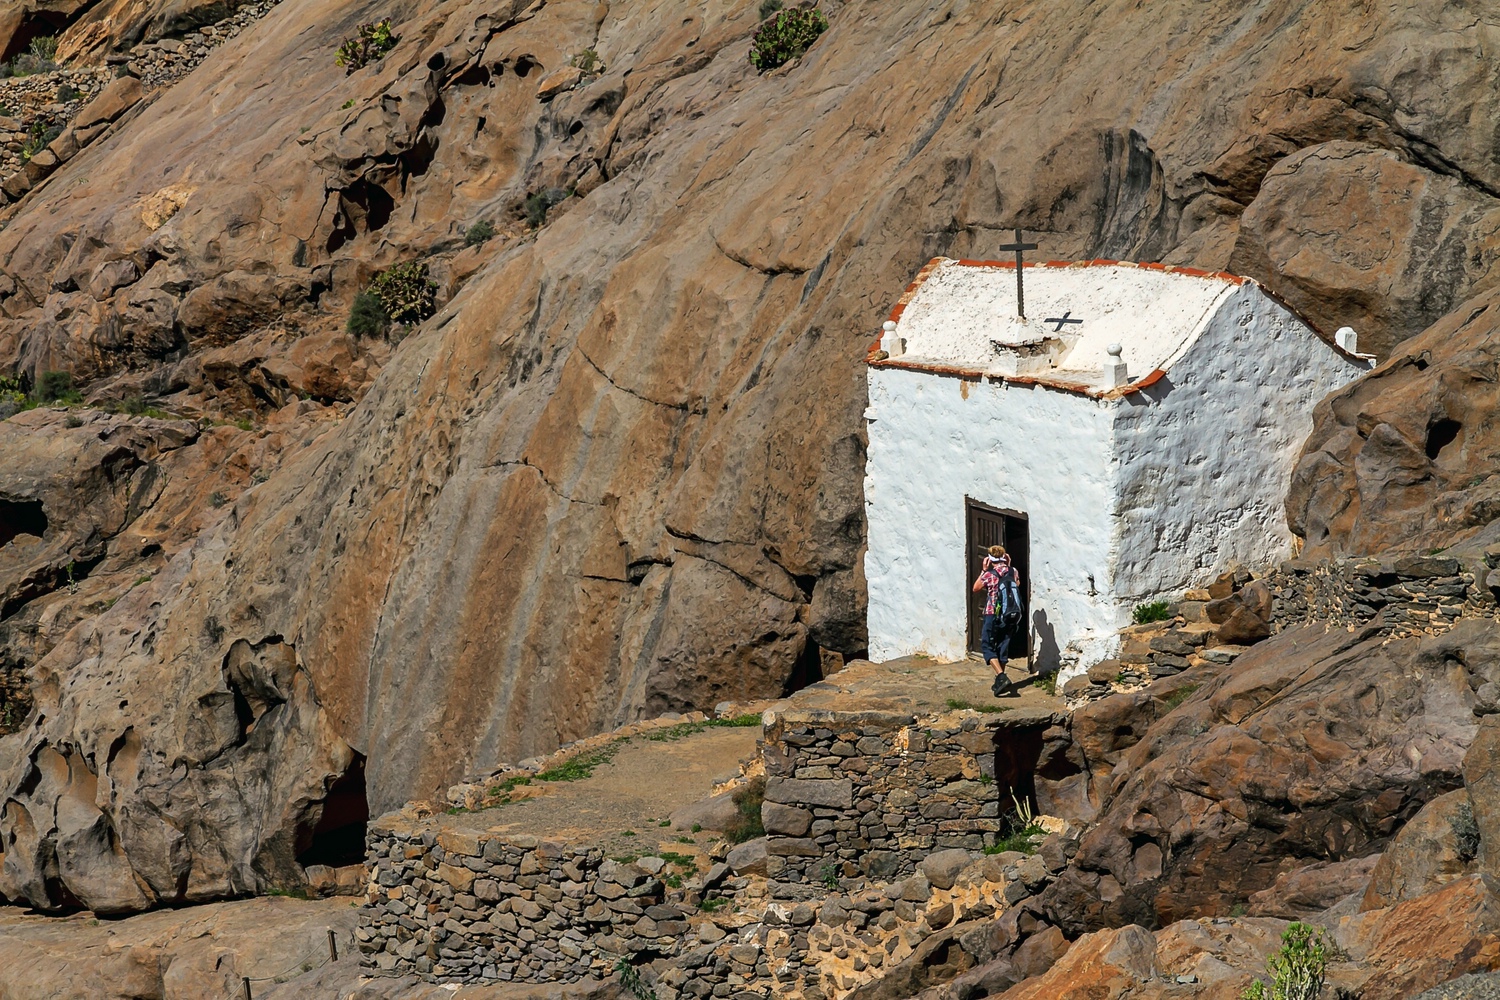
point(1436, 846)
point(1482, 779)
point(1405, 458)
point(1318, 746)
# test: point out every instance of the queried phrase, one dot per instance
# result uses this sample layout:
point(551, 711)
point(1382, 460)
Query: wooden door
point(990, 526)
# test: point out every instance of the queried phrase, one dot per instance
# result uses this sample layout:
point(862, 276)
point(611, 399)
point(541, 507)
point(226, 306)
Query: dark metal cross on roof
point(1061, 321)
point(1020, 246)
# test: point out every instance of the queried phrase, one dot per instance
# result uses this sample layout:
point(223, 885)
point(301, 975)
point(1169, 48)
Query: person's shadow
point(1046, 655)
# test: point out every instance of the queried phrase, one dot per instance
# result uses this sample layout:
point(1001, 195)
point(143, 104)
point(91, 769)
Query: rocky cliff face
point(619, 472)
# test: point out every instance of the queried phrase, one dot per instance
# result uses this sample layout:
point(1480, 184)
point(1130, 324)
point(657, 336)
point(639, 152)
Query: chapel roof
point(958, 315)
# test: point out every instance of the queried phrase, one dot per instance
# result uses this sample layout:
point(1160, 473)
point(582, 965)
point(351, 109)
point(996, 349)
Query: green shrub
point(405, 293)
point(57, 387)
point(1156, 611)
point(632, 981)
point(43, 47)
point(370, 43)
point(747, 799)
point(1297, 968)
point(13, 396)
point(537, 205)
point(38, 138)
point(478, 233)
point(769, 7)
point(67, 92)
point(1180, 695)
point(1465, 832)
point(367, 317)
point(785, 37)
point(588, 60)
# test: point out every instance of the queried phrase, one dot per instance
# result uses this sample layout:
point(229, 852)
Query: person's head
point(997, 554)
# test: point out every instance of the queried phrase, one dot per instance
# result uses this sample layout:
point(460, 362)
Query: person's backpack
point(1010, 601)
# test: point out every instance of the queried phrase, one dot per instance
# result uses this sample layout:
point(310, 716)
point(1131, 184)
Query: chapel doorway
point(992, 526)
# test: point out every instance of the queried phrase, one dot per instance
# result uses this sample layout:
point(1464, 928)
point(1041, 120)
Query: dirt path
point(623, 804)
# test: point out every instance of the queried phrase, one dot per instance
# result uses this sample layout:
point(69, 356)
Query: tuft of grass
point(1154, 611)
point(367, 316)
point(347, 105)
point(686, 840)
point(627, 833)
point(710, 905)
point(217, 499)
point(964, 703)
point(580, 767)
point(588, 61)
point(1025, 840)
point(480, 232)
point(747, 800)
point(1047, 683)
point(682, 729)
point(626, 859)
point(697, 827)
point(1180, 695)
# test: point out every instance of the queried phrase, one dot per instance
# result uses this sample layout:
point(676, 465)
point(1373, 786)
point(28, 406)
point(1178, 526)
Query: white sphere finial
point(1114, 351)
point(889, 342)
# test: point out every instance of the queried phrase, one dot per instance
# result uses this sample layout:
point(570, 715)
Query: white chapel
point(1127, 439)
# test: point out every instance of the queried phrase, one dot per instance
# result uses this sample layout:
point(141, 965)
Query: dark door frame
point(1017, 541)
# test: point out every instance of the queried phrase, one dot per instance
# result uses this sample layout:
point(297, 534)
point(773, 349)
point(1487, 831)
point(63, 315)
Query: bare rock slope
point(619, 472)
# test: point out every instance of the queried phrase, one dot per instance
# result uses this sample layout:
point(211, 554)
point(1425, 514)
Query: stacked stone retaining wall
point(854, 801)
point(1407, 595)
point(872, 794)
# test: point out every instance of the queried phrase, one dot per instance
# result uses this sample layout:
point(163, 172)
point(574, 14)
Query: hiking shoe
point(1002, 686)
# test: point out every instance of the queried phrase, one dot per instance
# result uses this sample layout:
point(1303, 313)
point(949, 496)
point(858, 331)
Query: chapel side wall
point(935, 440)
point(1206, 454)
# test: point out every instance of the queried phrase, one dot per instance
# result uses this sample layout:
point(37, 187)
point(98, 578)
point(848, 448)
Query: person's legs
point(992, 645)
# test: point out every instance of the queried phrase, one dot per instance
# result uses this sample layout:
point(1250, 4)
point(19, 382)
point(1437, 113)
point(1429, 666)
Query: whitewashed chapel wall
point(1206, 453)
point(1041, 451)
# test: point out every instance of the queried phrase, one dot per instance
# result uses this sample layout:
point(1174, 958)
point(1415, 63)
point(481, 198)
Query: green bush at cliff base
point(405, 293)
point(1297, 968)
point(367, 316)
point(786, 36)
point(1156, 611)
point(56, 387)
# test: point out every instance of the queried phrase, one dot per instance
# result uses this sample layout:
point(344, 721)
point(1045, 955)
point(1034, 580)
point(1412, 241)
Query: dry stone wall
point(854, 802)
point(39, 131)
point(1410, 595)
point(872, 794)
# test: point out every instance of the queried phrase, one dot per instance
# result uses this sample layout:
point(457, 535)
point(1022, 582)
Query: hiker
point(1002, 612)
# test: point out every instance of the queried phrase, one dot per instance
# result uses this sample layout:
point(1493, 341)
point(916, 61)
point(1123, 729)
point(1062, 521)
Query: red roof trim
point(974, 375)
